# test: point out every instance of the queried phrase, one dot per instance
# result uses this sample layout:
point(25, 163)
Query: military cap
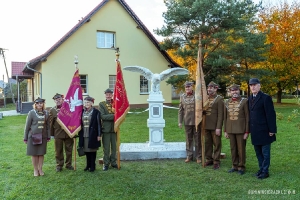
point(233, 87)
point(188, 83)
point(88, 98)
point(57, 96)
point(39, 100)
point(213, 84)
point(108, 91)
point(253, 81)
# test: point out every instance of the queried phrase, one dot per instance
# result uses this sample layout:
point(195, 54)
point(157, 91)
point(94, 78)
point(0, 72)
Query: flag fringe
point(67, 130)
point(120, 120)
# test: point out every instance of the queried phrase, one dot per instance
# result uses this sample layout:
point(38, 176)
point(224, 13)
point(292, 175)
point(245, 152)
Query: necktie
point(253, 100)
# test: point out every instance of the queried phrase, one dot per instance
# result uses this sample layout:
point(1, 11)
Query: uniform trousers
point(238, 151)
point(212, 147)
point(109, 141)
point(60, 143)
point(193, 137)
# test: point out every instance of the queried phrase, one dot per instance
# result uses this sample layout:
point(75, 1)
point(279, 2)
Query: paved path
point(10, 113)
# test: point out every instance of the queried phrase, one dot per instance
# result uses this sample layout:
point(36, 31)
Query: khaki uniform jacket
point(55, 128)
point(186, 113)
point(107, 118)
point(236, 116)
point(215, 114)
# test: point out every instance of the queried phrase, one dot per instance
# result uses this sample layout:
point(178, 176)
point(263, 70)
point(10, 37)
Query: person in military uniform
point(90, 133)
point(236, 128)
point(109, 137)
point(262, 126)
point(37, 134)
point(213, 126)
point(61, 138)
point(186, 115)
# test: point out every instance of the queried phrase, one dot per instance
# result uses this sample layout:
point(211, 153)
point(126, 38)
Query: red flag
point(121, 103)
point(69, 116)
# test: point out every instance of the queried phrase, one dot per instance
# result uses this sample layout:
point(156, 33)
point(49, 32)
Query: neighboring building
point(94, 39)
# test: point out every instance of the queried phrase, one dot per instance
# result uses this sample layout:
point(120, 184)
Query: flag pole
point(74, 139)
point(118, 131)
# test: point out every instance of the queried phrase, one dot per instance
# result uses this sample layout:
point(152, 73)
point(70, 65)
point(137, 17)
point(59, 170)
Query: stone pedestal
point(155, 122)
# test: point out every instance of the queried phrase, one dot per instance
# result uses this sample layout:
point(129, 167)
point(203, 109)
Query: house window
point(112, 82)
point(105, 39)
point(84, 84)
point(144, 85)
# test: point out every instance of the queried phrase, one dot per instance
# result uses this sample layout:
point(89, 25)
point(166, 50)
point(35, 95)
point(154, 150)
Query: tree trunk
point(279, 93)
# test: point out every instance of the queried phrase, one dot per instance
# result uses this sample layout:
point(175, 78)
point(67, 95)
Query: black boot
point(88, 161)
point(92, 161)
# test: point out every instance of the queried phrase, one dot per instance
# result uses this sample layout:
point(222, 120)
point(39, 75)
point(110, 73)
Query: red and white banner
point(69, 116)
point(121, 103)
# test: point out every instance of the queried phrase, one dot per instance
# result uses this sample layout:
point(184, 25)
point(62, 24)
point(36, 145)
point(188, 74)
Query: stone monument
point(155, 147)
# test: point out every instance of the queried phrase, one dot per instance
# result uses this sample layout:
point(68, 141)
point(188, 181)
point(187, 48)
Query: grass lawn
point(151, 179)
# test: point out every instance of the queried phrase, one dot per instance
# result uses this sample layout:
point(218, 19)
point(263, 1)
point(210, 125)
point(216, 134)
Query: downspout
point(18, 84)
point(26, 66)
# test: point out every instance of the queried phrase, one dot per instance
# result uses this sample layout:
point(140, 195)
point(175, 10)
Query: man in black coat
point(262, 126)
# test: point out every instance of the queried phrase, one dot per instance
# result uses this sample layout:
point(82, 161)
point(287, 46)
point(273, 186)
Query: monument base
point(142, 151)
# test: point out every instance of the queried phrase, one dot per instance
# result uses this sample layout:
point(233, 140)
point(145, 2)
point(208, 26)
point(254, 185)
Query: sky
point(28, 28)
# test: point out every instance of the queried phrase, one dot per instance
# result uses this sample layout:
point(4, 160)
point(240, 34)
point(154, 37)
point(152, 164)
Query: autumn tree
point(225, 28)
point(282, 24)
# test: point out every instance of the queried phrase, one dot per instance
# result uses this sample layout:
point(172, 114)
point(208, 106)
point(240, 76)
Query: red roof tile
point(17, 69)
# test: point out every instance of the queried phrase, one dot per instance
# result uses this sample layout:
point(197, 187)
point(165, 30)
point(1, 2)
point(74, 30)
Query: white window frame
point(144, 85)
point(85, 85)
point(106, 40)
point(112, 81)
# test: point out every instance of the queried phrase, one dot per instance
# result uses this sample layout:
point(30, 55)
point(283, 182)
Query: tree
point(282, 24)
point(223, 26)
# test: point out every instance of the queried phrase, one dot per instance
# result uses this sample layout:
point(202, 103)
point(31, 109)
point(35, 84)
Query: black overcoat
point(94, 131)
point(262, 119)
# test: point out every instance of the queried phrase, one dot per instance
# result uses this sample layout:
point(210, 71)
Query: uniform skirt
point(36, 150)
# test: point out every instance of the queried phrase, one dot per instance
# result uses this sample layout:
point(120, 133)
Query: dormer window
point(106, 39)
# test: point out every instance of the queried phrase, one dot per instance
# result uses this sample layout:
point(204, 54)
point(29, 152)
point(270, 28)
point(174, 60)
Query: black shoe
point(263, 176)
point(216, 166)
point(105, 168)
point(257, 173)
point(241, 172)
point(86, 169)
point(232, 170)
point(115, 166)
point(70, 168)
point(91, 170)
point(58, 169)
point(208, 163)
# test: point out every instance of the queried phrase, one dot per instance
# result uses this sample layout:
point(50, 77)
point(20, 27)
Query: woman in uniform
point(90, 133)
point(36, 135)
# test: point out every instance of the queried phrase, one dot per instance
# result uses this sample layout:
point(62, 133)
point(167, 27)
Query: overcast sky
point(28, 28)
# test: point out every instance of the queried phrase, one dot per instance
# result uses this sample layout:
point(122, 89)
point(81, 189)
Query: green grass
point(151, 179)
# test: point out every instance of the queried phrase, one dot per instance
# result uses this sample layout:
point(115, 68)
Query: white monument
point(156, 122)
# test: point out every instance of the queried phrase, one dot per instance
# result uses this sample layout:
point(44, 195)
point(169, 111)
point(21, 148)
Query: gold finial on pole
point(117, 53)
point(76, 61)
